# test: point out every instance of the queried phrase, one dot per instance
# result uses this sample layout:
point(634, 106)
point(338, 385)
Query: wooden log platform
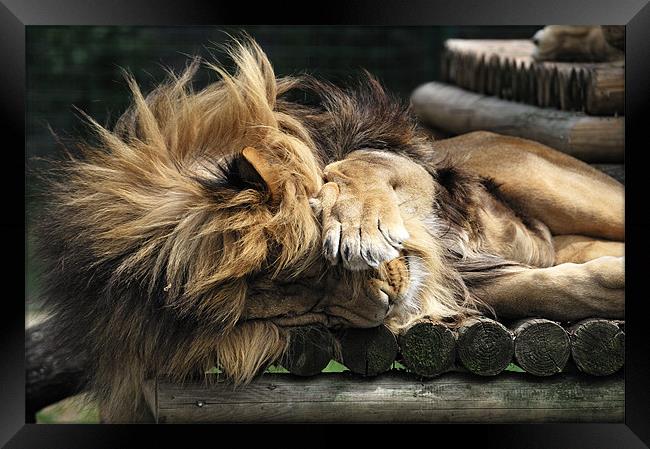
point(457, 111)
point(506, 69)
point(392, 397)
point(481, 346)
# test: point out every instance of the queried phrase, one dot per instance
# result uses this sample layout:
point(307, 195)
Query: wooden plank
point(396, 397)
point(458, 111)
point(597, 88)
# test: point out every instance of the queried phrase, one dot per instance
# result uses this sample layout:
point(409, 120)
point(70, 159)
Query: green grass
point(515, 368)
point(335, 367)
point(73, 410)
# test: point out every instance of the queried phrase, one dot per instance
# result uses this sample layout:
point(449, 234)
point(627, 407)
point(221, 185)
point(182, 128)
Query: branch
point(52, 372)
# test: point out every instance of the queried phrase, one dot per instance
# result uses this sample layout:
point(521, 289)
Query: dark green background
point(81, 65)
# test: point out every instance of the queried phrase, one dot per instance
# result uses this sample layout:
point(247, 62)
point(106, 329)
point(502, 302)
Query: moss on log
point(428, 348)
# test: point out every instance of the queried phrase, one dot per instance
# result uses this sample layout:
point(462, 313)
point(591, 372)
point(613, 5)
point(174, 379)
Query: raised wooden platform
point(506, 69)
point(461, 375)
point(393, 397)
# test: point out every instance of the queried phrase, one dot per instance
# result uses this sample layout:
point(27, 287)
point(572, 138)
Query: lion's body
point(209, 224)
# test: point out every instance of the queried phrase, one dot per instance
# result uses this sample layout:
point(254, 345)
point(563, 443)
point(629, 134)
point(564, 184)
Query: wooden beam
point(458, 111)
point(395, 397)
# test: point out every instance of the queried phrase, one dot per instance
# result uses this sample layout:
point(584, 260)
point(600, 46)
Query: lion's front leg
point(565, 292)
point(363, 204)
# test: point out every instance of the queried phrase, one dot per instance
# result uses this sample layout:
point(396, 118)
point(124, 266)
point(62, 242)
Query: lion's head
point(186, 235)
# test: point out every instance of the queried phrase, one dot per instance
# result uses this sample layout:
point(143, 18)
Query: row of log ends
point(506, 69)
point(481, 346)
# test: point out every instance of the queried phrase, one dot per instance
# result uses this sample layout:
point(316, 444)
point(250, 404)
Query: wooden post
point(542, 347)
point(428, 348)
point(368, 351)
point(597, 346)
point(458, 111)
point(485, 347)
point(310, 350)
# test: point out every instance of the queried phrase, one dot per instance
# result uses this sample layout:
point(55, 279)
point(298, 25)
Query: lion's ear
point(269, 174)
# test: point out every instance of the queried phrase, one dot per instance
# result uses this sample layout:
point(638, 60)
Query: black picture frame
point(15, 15)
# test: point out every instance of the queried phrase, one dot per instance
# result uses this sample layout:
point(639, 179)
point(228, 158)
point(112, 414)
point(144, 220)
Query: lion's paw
point(361, 227)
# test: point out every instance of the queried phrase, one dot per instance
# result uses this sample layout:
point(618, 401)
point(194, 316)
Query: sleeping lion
point(207, 226)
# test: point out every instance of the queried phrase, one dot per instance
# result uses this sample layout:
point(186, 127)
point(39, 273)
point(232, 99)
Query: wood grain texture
point(484, 346)
point(396, 397)
point(597, 346)
point(542, 347)
point(458, 111)
point(506, 69)
point(368, 351)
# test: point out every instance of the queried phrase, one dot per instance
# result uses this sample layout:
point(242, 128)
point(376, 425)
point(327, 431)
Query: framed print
point(387, 213)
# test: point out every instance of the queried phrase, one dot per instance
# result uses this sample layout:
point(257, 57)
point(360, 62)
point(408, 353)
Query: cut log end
point(542, 347)
point(428, 348)
point(597, 346)
point(485, 347)
point(596, 88)
point(310, 350)
point(368, 351)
